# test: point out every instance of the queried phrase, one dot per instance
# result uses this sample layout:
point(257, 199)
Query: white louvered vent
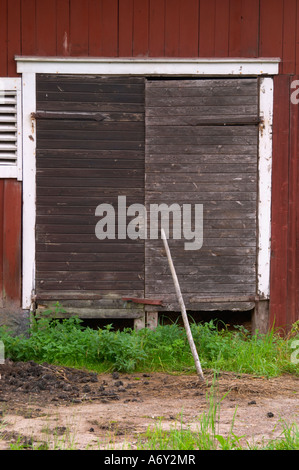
point(10, 127)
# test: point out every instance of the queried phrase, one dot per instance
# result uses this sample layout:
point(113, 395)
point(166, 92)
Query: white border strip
point(29, 66)
point(29, 189)
point(265, 186)
point(149, 67)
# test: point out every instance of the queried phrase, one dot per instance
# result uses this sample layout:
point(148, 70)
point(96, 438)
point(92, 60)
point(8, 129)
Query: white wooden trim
point(131, 66)
point(9, 171)
point(29, 66)
point(29, 190)
point(265, 187)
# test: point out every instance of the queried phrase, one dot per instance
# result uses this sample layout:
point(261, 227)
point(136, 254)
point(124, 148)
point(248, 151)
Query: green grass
point(67, 342)
point(206, 436)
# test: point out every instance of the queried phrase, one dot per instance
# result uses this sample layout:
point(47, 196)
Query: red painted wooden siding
point(171, 28)
point(10, 242)
point(149, 28)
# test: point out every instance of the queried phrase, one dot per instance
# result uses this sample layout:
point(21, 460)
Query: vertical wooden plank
point(109, 28)
point(280, 196)
point(78, 28)
point(12, 241)
point(46, 27)
point(189, 19)
point(140, 28)
point(289, 36)
point(125, 33)
point(207, 28)
point(235, 29)
point(293, 196)
point(63, 27)
point(271, 28)
point(297, 40)
point(221, 28)
point(172, 28)
point(250, 28)
point(3, 38)
point(243, 28)
point(94, 28)
point(157, 28)
point(13, 35)
point(28, 22)
point(1, 237)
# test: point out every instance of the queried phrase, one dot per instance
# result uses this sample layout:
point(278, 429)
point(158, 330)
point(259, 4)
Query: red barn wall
point(168, 28)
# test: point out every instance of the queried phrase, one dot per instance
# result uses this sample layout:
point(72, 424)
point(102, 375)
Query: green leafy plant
point(67, 342)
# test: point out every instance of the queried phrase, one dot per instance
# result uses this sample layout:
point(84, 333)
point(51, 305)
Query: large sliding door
point(182, 142)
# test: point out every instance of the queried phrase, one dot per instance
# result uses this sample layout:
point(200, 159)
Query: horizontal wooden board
point(92, 172)
point(85, 276)
point(107, 286)
point(116, 266)
point(222, 83)
point(197, 159)
point(96, 258)
point(75, 134)
point(218, 102)
point(193, 110)
point(114, 114)
point(212, 252)
point(213, 119)
point(93, 300)
point(152, 271)
point(102, 96)
point(45, 81)
point(219, 149)
point(201, 140)
point(90, 107)
point(201, 131)
point(119, 182)
point(112, 301)
point(91, 163)
point(89, 125)
point(200, 177)
point(89, 312)
point(85, 192)
point(210, 288)
point(200, 168)
point(235, 186)
point(91, 144)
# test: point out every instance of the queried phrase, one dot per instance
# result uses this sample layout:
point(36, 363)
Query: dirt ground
point(64, 408)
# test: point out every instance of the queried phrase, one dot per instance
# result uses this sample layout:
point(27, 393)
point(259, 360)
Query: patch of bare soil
point(59, 407)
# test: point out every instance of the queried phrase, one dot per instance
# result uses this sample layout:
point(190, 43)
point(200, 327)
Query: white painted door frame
point(264, 68)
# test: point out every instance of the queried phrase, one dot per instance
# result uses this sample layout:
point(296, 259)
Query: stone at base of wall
point(15, 319)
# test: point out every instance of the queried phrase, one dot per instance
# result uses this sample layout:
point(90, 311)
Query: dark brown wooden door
point(154, 141)
point(90, 151)
point(201, 148)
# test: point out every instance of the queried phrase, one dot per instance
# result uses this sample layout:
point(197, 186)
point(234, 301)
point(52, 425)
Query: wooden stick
point(183, 309)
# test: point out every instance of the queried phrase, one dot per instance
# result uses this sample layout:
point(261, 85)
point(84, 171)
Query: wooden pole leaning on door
point(183, 309)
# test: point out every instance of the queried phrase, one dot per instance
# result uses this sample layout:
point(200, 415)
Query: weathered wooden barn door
point(90, 151)
point(202, 148)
